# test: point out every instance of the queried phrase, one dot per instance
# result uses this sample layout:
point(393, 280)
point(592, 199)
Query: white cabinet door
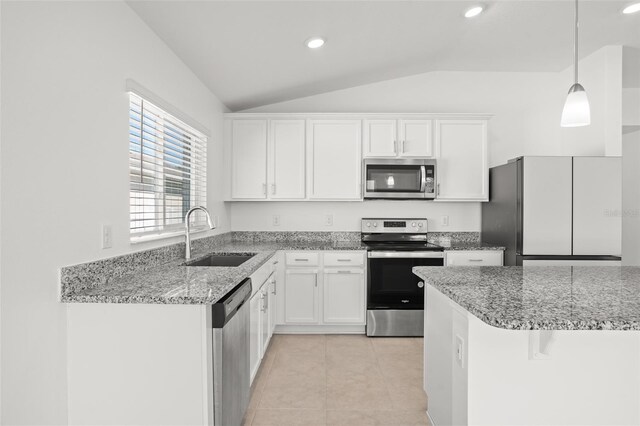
point(255, 346)
point(272, 288)
point(249, 159)
point(597, 205)
point(462, 168)
point(546, 206)
point(301, 296)
point(335, 158)
point(344, 296)
point(286, 159)
point(380, 138)
point(264, 320)
point(416, 138)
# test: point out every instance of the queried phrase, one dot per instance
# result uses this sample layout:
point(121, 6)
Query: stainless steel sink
point(235, 259)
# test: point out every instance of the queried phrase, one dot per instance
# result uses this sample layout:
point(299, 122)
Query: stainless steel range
point(395, 296)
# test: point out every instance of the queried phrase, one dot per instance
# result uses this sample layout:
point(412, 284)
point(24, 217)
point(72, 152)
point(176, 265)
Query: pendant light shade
point(576, 110)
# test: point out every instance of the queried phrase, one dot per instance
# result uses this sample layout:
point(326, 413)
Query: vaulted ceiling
point(252, 53)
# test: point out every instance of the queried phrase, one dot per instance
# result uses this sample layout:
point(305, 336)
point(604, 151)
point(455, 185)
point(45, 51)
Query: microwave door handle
point(423, 176)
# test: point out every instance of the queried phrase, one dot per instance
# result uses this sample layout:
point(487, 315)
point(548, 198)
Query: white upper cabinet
point(249, 159)
point(416, 138)
point(335, 159)
point(380, 138)
point(398, 138)
point(462, 166)
point(286, 159)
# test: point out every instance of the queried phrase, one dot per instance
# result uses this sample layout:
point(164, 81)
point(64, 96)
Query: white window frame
point(174, 152)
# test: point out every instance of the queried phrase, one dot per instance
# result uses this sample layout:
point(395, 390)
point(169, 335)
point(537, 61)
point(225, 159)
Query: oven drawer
point(302, 259)
point(344, 259)
point(474, 258)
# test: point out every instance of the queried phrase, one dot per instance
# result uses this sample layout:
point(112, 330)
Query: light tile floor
point(339, 380)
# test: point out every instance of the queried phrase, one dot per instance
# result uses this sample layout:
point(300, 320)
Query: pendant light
point(576, 110)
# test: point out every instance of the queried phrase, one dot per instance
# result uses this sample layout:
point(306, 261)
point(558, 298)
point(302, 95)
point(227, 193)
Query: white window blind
point(167, 170)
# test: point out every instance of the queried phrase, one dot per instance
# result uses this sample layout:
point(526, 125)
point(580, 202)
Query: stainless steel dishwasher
point(230, 321)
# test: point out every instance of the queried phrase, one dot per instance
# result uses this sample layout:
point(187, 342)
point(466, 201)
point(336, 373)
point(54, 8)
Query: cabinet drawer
point(474, 258)
point(344, 259)
point(301, 259)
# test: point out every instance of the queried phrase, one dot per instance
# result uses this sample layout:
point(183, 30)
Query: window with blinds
point(167, 170)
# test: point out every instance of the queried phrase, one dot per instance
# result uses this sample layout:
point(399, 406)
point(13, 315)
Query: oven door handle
point(405, 254)
point(423, 180)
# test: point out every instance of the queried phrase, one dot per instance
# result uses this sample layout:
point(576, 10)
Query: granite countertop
point(544, 298)
point(466, 245)
point(175, 283)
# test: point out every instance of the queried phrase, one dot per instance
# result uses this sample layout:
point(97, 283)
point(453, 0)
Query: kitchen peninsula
point(532, 345)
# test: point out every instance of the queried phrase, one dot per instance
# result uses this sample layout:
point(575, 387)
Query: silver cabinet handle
point(273, 188)
point(438, 189)
point(475, 260)
point(275, 262)
point(343, 260)
point(344, 272)
point(275, 288)
point(264, 188)
point(301, 260)
point(395, 147)
point(264, 302)
point(402, 147)
point(316, 277)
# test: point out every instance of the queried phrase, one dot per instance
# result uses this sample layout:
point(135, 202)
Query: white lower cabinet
point(330, 297)
point(474, 258)
point(255, 333)
point(262, 309)
point(344, 292)
point(301, 296)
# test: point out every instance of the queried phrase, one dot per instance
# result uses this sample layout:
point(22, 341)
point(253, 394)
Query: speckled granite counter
point(172, 282)
point(466, 245)
point(546, 298)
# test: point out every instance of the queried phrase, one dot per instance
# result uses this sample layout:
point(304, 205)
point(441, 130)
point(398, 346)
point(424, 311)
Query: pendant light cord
point(575, 46)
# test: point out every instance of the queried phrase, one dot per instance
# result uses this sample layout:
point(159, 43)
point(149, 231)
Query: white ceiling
point(251, 53)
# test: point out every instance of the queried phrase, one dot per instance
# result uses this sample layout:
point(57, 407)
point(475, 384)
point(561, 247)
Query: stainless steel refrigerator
point(556, 210)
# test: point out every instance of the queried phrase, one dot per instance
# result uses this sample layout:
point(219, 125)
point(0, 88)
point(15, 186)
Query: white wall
point(526, 107)
point(64, 171)
point(601, 75)
point(310, 216)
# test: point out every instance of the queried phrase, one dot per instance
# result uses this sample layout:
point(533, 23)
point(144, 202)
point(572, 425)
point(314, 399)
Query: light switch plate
point(445, 220)
point(276, 220)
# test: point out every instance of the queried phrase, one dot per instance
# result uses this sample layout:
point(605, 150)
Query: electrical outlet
point(276, 220)
point(459, 351)
point(107, 237)
point(444, 220)
point(328, 220)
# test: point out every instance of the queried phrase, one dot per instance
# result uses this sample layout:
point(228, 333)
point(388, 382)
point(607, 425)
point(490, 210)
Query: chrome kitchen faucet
point(187, 254)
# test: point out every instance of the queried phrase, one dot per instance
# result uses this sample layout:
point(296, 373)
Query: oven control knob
point(375, 224)
point(368, 224)
point(413, 224)
point(421, 284)
point(419, 224)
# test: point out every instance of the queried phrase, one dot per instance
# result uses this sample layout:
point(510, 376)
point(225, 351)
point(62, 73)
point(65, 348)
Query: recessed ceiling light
point(632, 8)
point(314, 42)
point(474, 11)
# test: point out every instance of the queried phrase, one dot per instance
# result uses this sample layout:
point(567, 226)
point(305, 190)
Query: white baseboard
point(431, 422)
point(319, 329)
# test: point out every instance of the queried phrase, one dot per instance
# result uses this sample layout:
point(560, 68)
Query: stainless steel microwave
point(399, 178)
